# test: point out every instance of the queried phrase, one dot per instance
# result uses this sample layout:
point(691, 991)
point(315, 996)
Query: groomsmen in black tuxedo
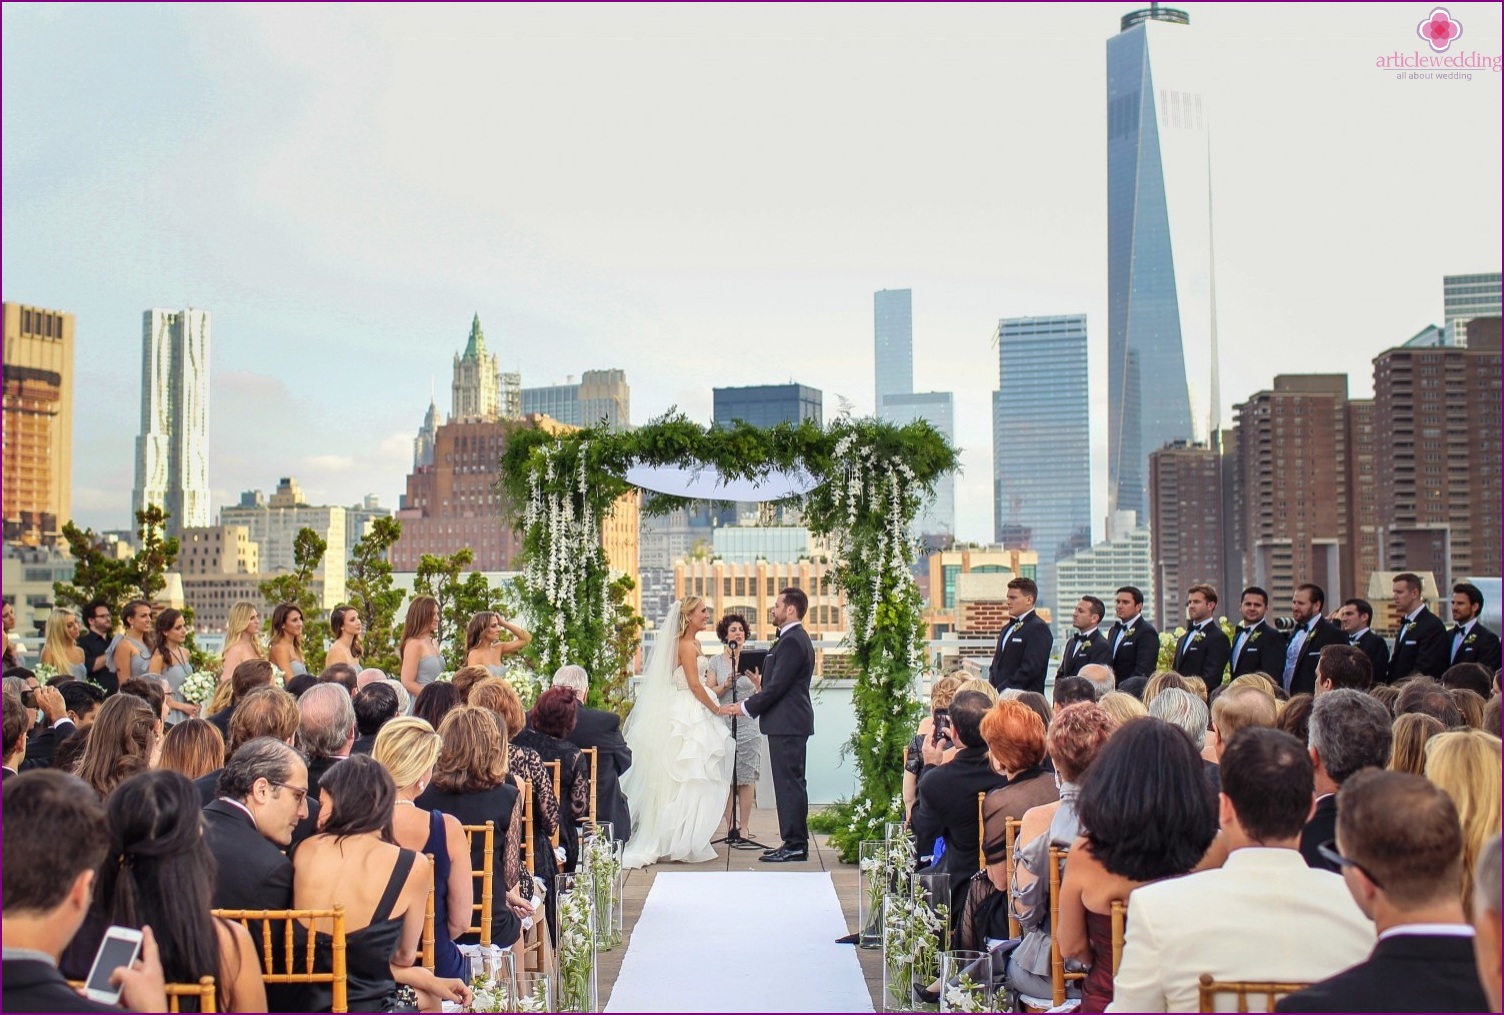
point(1133, 640)
point(1354, 618)
point(1257, 646)
point(1312, 633)
point(1023, 646)
point(1421, 645)
point(1203, 650)
point(1469, 641)
point(1088, 645)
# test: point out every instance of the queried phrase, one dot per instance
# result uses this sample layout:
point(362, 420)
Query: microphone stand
point(733, 837)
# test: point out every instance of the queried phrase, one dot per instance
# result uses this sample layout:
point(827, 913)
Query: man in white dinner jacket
point(1264, 915)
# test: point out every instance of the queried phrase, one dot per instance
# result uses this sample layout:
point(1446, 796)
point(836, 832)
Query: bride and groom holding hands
point(682, 751)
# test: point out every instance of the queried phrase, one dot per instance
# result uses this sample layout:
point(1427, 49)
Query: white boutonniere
point(1200, 634)
point(1470, 638)
point(1253, 637)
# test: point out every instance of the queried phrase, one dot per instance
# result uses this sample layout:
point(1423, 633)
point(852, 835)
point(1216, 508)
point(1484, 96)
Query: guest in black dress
point(551, 722)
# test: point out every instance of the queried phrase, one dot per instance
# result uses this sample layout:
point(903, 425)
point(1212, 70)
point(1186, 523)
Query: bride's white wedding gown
point(680, 777)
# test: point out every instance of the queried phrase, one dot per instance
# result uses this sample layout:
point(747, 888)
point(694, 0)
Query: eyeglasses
point(1328, 851)
point(301, 792)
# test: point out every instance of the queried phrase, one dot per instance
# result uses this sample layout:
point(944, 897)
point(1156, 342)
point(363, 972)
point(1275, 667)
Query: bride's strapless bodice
point(681, 681)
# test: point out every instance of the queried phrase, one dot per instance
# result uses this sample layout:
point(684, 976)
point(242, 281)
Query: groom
point(787, 719)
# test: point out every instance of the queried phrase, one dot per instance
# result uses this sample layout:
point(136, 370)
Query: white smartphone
point(119, 948)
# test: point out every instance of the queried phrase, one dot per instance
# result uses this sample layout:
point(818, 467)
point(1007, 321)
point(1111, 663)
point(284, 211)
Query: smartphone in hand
point(119, 948)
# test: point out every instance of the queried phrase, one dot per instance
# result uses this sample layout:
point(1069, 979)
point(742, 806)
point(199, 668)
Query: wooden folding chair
point(594, 755)
point(526, 846)
point(429, 956)
point(1058, 975)
point(981, 831)
point(1010, 844)
point(1272, 991)
point(336, 978)
point(203, 990)
point(558, 777)
point(486, 875)
point(1119, 928)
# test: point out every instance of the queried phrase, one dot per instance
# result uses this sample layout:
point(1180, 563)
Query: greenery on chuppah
point(871, 479)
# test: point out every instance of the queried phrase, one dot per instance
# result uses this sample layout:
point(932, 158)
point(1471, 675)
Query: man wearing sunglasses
point(1399, 848)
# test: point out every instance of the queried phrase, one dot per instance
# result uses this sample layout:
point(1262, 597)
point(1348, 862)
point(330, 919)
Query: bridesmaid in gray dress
point(733, 629)
point(421, 660)
point(60, 648)
point(286, 647)
point(128, 655)
point(169, 662)
point(483, 644)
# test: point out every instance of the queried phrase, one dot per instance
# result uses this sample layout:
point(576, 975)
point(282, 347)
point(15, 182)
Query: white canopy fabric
point(706, 483)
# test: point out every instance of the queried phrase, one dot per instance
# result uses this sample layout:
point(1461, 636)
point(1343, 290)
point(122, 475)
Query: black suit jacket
point(1480, 646)
point(1139, 652)
point(253, 873)
point(41, 747)
point(208, 792)
point(1406, 972)
point(1263, 651)
point(946, 804)
point(783, 706)
point(1321, 828)
point(1303, 681)
point(600, 729)
point(1022, 662)
point(1204, 654)
point(1377, 651)
point(1423, 647)
point(1078, 653)
point(33, 985)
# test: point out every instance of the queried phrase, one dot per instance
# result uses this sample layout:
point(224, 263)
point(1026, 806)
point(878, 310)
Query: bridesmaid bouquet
point(198, 688)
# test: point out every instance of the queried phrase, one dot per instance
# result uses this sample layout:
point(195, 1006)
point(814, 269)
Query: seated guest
point(1475, 677)
point(1188, 713)
point(1343, 666)
point(1122, 706)
point(17, 724)
point(1465, 764)
point(375, 705)
point(549, 725)
point(941, 693)
point(194, 748)
point(56, 837)
point(598, 728)
point(1036, 701)
point(56, 726)
point(1411, 734)
point(1197, 686)
point(1428, 697)
point(523, 763)
point(1399, 847)
point(1493, 721)
point(1295, 717)
point(326, 729)
point(1488, 936)
point(384, 888)
point(1264, 915)
point(1161, 680)
point(265, 712)
point(122, 742)
point(1075, 738)
point(82, 700)
point(154, 693)
point(466, 677)
point(408, 748)
point(1386, 695)
point(435, 701)
point(343, 674)
point(1100, 677)
point(1238, 708)
point(1134, 686)
point(1148, 767)
point(1348, 731)
point(263, 794)
point(1470, 705)
point(159, 873)
point(470, 782)
point(302, 682)
point(248, 676)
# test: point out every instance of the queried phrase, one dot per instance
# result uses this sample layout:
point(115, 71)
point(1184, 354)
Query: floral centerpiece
point(502, 995)
point(966, 995)
point(913, 937)
point(576, 945)
point(600, 860)
point(198, 688)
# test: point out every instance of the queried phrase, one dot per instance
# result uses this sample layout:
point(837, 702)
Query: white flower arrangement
point(502, 996)
point(571, 532)
point(445, 678)
point(576, 948)
point(966, 995)
point(279, 679)
point(198, 688)
point(601, 862)
point(44, 672)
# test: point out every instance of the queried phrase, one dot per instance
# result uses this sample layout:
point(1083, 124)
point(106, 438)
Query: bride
point(681, 750)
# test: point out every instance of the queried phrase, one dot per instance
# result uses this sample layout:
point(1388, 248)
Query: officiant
point(732, 630)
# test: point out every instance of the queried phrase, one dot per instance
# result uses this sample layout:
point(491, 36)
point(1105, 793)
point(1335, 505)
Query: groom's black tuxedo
point(786, 716)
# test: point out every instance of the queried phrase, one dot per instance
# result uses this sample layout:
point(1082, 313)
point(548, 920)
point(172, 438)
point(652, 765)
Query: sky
point(700, 195)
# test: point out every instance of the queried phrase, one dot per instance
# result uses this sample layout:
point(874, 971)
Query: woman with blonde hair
point(242, 638)
point(122, 741)
point(1160, 680)
point(408, 749)
point(1465, 764)
point(418, 649)
point(345, 626)
point(1122, 706)
point(285, 650)
point(483, 644)
point(979, 686)
point(1412, 731)
point(60, 650)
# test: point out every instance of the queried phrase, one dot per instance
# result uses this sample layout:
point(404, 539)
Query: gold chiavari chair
point(486, 875)
point(1058, 975)
point(1272, 991)
point(1010, 845)
point(336, 977)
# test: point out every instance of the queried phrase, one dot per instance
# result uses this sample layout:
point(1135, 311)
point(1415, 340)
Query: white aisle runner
point(743, 941)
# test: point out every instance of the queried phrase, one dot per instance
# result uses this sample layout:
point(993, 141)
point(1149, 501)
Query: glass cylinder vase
point(600, 860)
point(932, 901)
point(898, 957)
point(575, 954)
point(965, 981)
point(531, 991)
point(872, 858)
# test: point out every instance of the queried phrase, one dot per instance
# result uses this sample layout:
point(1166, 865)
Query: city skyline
point(338, 291)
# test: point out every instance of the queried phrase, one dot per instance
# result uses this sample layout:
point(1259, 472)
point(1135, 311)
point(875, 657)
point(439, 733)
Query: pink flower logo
point(1439, 29)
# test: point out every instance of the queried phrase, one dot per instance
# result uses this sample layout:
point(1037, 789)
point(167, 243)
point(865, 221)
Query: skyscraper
point(939, 410)
point(601, 395)
point(427, 433)
point(1041, 439)
point(1465, 297)
point(172, 452)
point(1186, 526)
point(476, 386)
point(38, 423)
point(768, 404)
point(1161, 342)
point(892, 343)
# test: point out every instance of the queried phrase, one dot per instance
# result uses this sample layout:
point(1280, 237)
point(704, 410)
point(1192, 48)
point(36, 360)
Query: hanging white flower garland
point(566, 523)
